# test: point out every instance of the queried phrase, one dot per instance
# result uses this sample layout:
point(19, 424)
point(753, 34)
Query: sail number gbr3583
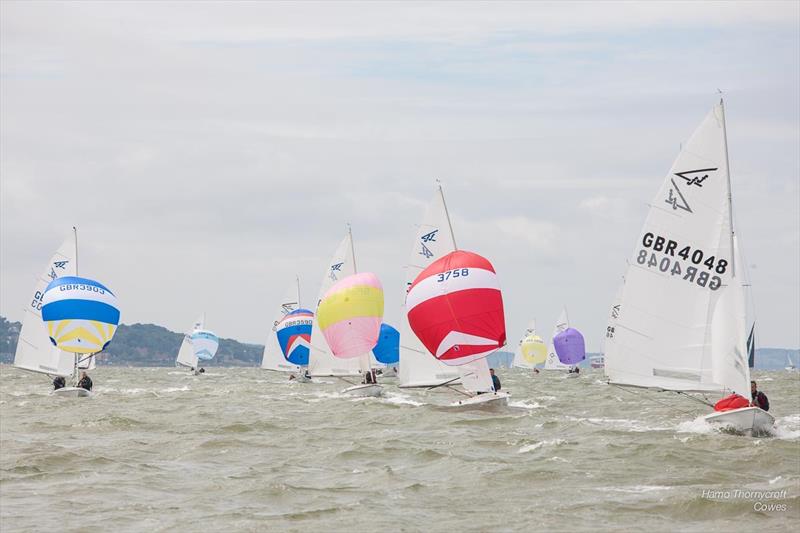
point(691, 264)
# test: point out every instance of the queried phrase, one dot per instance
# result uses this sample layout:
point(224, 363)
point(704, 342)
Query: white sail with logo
point(553, 362)
point(35, 352)
point(681, 318)
point(273, 358)
point(434, 239)
point(186, 356)
point(321, 362)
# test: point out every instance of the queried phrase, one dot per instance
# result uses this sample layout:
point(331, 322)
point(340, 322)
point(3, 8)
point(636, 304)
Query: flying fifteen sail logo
point(691, 177)
point(334, 269)
point(694, 177)
point(428, 237)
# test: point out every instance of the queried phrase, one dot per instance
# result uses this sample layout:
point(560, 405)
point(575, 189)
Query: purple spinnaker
point(570, 346)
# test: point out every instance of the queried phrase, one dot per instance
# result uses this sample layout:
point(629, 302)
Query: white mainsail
point(273, 358)
point(321, 362)
point(434, 239)
point(475, 376)
point(680, 324)
point(186, 355)
point(553, 362)
point(35, 351)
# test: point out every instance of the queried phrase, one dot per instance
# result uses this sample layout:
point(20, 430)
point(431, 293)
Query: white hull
point(364, 390)
point(573, 375)
point(748, 420)
point(301, 378)
point(489, 398)
point(72, 392)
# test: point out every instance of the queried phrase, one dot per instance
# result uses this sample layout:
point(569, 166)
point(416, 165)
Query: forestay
point(433, 240)
point(35, 352)
point(680, 323)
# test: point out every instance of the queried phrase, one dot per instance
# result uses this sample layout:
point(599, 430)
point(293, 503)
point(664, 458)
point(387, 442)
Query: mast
point(352, 248)
point(297, 278)
point(447, 214)
point(728, 176)
point(76, 356)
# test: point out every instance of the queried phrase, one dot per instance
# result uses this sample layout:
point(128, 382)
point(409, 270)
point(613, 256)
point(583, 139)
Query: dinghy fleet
point(678, 322)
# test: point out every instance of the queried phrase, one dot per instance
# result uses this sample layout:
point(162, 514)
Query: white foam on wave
point(177, 389)
point(399, 399)
point(525, 404)
point(628, 424)
point(536, 445)
point(636, 489)
point(699, 425)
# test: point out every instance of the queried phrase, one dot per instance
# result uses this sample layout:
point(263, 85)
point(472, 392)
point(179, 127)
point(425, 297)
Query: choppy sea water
point(157, 449)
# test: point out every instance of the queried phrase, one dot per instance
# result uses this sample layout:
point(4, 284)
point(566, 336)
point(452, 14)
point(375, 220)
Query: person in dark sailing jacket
point(495, 380)
point(760, 399)
point(85, 382)
point(59, 383)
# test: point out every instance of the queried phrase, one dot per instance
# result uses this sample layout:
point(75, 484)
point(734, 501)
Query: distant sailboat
point(349, 316)
point(386, 353)
point(553, 362)
point(186, 356)
point(531, 351)
point(681, 318)
point(35, 351)
point(790, 366)
point(321, 361)
point(289, 338)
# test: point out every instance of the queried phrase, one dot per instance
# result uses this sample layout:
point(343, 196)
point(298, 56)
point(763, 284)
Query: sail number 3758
point(455, 273)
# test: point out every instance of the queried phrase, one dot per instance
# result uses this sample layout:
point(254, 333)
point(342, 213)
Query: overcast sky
point(208, 152)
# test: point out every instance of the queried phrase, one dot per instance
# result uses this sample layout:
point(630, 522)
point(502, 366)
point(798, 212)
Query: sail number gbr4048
point(697, 267)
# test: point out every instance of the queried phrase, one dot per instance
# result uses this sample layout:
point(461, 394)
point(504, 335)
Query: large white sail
point(186, 355)
point(434, 239)
point(35, 351)
point(321, 362)
point(475, 376)
point(273, 358)
point(680, 298)
point(553, 362)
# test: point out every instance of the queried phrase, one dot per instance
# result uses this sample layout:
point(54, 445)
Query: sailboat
point(790, 364)
point(455, 308)
point(349, 316)
point(321, 361)
point(35, 351)
point(681, 324)
point(434, 239)
point(571, 349)
point(552, 362)
point(531, 351)
point(289, 339)
point(186, 356)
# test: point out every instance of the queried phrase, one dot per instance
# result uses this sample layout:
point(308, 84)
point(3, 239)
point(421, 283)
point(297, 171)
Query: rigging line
point(652, 399)
point(704, 401)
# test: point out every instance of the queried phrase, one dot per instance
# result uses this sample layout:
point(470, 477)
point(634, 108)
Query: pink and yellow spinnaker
point(350, 315)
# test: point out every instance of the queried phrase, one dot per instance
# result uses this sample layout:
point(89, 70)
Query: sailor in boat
point(574, 370)
point(371, 377)
point(85, 382)
point(495, 380)
point(760, 399)
point(59, 383)
point(535, 370)
point(202, 370)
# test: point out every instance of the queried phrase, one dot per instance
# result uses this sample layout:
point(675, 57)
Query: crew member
point(495, 380)
point(85, 382)
point(59, 383)
point(760, 399)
